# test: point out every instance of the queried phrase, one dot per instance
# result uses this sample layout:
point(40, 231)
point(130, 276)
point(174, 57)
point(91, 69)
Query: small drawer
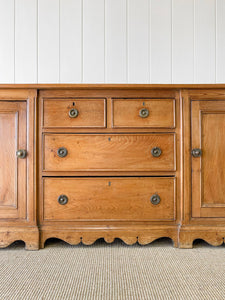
point(72, 113)
point(109, 152)
point(143, 198)
point(143, 113)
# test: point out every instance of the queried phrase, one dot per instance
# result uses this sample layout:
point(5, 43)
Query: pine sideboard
point(134, 162)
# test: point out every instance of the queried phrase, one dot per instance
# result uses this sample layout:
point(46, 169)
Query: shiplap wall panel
point(116, 41)
point(220, 45)
point(25, 41)
point(183, 41)
point(205, 41)
point(48, 41)
point(7, 41)
point(138, 41)
point(94, 41)
point(70, 41)
point(161, 41)
point(112, 41)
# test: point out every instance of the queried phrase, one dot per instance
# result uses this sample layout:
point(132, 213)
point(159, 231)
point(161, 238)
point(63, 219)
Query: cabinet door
point(13, 170)
point(208, 169)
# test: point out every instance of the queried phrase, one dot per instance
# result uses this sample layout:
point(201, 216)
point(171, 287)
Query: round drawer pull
point(21, 153)
point(62, 152)
point(73, 113)
point(144, 113)
point(156, 151)
point(63, 199)
point(155, 199)
point(196, 152)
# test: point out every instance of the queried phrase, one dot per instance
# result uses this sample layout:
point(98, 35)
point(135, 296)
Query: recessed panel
point(213, 172)
point(73, 113)
point(8, 169)
point(74, 199)
point(144, 113)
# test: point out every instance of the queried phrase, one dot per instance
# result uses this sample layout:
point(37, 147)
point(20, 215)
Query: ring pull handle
point(62, 199)
point(144, 113)
point(21, 153)
point(156, 151)
point(155, 199)
point(62, 152)
point(196, 152)
point(73, 113)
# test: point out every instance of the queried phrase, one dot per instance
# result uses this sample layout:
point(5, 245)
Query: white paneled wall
point(112, 41)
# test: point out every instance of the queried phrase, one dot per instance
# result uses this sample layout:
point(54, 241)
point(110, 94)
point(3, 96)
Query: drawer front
point(71, 199)
point(146, 113)
point(104, 152)
point(72, 113)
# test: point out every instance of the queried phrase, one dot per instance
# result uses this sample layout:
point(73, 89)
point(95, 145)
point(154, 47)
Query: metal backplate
point(156, 151)
point(196, 152)
point(155, 199)
point(63, 199)
point(144, 113)
point(62, 152)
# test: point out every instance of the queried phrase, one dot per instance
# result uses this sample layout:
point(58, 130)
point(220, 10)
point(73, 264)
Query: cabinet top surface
point(112, 86)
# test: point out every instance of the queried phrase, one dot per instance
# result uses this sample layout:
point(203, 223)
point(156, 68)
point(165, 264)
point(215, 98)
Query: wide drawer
point(143, 198)
point(73, 113)
point(109, 152)
point(136, 113)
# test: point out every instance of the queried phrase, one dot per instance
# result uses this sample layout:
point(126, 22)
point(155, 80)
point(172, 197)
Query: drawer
point(71, 199)
point(109, 152)
point(146, 113)
point(72, 113)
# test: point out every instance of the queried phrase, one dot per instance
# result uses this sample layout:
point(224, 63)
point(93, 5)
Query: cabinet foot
point(29, 235)
point(32, 245)
point(212, 235)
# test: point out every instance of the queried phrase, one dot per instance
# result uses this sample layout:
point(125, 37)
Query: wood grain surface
point(91, 113)
point(126, 113)
point(109, 198)
point(208, 171)
point(115, 152)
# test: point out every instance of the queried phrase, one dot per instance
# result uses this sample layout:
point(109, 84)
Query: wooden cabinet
point(208, 164)
point(135, 162)
point(13, 171)
point(204, 167)
point(113, 172)
point(17, 170)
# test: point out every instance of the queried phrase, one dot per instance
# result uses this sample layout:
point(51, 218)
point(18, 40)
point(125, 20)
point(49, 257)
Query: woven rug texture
point(112, 271)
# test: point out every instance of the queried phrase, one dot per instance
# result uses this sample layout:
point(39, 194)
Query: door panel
point(208, 170)
point(12, 170)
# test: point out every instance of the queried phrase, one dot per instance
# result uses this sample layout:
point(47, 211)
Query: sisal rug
point(112, 271)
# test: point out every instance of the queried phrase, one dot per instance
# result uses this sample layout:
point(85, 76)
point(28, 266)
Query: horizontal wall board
point(205, 41)
point(70, 41)
point(7, 38)
point(112, 41)
point(93, 41)
point(138, 41)
point(161, 41)
point(48, 41)
point(25, 41)
point(115, 41)
point(183, 41)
